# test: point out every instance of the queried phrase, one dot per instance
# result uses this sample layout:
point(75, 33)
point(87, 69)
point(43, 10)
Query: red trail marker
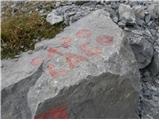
point(88, 51)
point(84, 33)
point(54, 73)
point(104, 40)
point(74, 59)
point(36, 61)
point(66, 42)
point(55, 113)
point(52, 52)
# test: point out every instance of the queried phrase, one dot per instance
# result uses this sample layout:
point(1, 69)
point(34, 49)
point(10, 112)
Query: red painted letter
point(66, 42)
point(36, 61)
point(104, 40)
point(54, 73)
point(84, 33)
point(52, 51)
point(74, 59)
point(88, 51)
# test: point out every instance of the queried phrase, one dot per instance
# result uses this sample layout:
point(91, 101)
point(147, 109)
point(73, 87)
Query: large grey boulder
point(87, 71)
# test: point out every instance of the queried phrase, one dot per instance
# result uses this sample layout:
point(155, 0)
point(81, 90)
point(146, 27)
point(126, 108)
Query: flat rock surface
point(93, 46)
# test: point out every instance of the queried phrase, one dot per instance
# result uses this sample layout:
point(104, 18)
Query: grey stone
point(154, 66)
point(104, 82)
point(57, 4)
point(115, 19)
point(52, 18)
point(73, 13)
point(114, 5)
point(147, 18)
point(140, 22)
point(126, 13)
point(91, 4)
point(142, 49)
point(153, 10)
point(139, 11)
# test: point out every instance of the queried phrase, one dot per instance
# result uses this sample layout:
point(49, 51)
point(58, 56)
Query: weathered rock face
point(87, 71)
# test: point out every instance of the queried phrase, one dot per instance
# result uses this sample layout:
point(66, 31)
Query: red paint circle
point(105, 40)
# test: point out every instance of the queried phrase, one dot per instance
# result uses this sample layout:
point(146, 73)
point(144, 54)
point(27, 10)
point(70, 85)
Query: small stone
point(71, 13)
point(115, 19)
point(154, 67)
point(52, 18)
point(153, 10)
point(58, 4)
point(139, 11)
point(126, 14)
point(147, 94)
point(121, 24)
point(140, 22)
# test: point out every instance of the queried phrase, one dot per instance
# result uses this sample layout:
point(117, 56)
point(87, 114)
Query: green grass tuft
point(18, 33)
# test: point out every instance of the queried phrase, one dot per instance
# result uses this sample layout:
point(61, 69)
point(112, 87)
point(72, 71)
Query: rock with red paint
point(86, 71)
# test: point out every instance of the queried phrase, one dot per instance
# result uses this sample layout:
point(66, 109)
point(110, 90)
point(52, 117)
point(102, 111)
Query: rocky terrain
point(104, 64)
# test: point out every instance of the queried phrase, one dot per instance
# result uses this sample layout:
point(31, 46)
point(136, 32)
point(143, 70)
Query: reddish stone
point(66, 42)
point(54, 73)
point(104, 40)
point(55, 113)
point(36, 61)
point(73, 59)
point(88, 51)
point(84, 33)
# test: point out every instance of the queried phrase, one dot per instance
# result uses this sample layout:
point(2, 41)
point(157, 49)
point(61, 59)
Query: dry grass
point(18, 33)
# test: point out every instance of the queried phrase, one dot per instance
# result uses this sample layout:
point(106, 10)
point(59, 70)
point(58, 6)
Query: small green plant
point(18, 33)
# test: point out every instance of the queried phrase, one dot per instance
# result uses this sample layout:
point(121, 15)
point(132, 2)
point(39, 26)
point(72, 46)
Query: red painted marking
point(67, 41)
point(54, 73)
point(53, 51)
point(55, 113)
point(104, 40)
point(36, 61)
point(74, 59)
point(88, 51)
point(84, 33)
